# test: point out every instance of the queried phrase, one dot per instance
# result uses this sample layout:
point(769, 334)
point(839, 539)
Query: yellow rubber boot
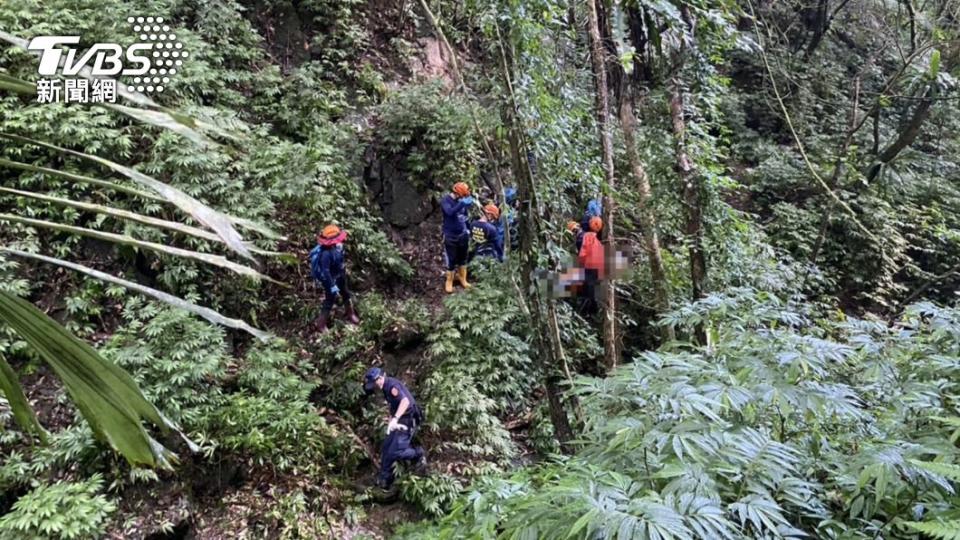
point(448, 287)
point(462, 277)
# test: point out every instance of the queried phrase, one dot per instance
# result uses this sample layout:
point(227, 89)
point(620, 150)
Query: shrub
point(791, 424)
point(65, 510)
point(432, 132)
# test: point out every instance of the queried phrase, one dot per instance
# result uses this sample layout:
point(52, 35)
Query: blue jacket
point(326, 265)
point(488, 240)
point(454, 216)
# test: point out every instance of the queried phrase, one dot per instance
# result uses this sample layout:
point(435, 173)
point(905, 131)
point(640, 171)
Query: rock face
point(432, 63)
point(402, 202)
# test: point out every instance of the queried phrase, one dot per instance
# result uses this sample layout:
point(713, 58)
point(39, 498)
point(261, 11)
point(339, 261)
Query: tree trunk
point(690, 182)
point(920, 114)
point(610, 348)
point(549, 349)
point(692, 201)
point(906, 136)
point(817, 22)
point(648, 221)
point(542, 310)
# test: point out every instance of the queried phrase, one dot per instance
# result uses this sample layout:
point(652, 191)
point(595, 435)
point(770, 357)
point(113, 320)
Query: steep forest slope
point(780, 360)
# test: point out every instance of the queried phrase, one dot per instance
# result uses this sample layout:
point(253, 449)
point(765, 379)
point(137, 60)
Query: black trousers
point(329, 299)
point(398, 447)
point(589, 304)
point(457, 251)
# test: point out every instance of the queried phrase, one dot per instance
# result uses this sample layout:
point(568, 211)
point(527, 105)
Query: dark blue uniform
point(487, 239)
point(326, 266)
point(456, 238)
point(399, 443)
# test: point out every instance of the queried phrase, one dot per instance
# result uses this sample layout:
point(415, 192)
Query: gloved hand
point(467, 201)
point(395, 425)
point(335, 290)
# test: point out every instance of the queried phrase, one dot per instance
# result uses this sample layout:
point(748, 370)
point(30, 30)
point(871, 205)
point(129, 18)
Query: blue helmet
point(594, 208)
point(511, 194)
point(370, 379)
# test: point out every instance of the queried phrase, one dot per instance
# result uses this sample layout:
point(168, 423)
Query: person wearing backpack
point(327, 269)
point(594, 209)
point(486, 238)
point(402, 424)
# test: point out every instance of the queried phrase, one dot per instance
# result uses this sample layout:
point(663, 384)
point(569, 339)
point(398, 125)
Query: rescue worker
point(594, 209)
point(327, 269)
point(456, 237)
point(486, 238)
point(576, 230)
point(591, 259)
point(512, 218)
point(405, 417)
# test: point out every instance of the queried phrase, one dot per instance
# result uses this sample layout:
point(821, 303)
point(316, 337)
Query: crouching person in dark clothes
point(405, 418)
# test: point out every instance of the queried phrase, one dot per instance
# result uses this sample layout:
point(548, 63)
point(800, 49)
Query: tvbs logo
point(147, 65)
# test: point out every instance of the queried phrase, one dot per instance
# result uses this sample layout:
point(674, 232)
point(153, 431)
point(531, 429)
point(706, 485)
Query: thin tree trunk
point(648, 220)
point(542, 310)
point(838, 170)
point(549, 349)
point(690, 183)
point(610, 352)
point(921, 112)
point(906, 136)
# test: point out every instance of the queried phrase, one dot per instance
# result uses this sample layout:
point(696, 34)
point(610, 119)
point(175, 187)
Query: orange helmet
point(572, 226)
point(331, 235)
point(492, 210)
point(461, 189)
point(596, 223)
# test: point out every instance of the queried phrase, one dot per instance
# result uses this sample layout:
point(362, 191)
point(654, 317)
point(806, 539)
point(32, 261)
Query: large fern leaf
point(943, 530)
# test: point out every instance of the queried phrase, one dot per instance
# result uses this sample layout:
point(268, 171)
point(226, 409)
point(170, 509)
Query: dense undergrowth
point(795, 423)
point(823, 405)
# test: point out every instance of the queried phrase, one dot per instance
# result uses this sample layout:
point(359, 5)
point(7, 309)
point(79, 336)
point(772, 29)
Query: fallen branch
point(519, 422)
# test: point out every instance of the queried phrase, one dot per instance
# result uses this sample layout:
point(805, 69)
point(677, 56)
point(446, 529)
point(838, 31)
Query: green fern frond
point(943, 530)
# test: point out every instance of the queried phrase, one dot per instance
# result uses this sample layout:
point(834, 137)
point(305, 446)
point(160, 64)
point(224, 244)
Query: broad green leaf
point(130, 216)
point(14, 84)
point(107, 397)
point(934, 64)
point(209, 217)
point(242, 222)
point(204, 312)
point(167, 121)
point(22, 412)
point(216, 260)
point(82, 179)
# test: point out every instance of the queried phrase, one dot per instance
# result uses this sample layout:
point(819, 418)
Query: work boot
point(420, 468)
point(351, 314)
point(384, 493)
point(462, 277)
point(322, 322)
point(448, 287)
